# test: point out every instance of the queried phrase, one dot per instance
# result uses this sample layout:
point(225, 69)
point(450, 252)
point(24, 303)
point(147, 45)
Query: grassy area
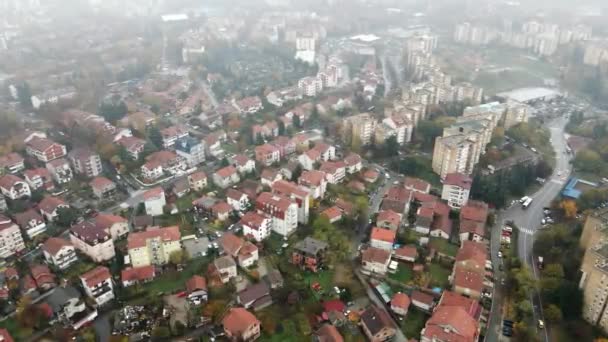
point(439, 275)
point(171, 281)
point(403, 275)
point(325, 279)
point(413, 323)
point(443, 246)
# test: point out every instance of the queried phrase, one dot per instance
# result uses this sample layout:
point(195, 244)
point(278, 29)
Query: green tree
point(66, 216)
point(161, 333)
point(155, 137)
point(391, 146)
point(113, 111)
point(552, 313)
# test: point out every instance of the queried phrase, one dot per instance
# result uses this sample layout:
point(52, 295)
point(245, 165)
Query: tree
point(524, 309)
point(161, 333)
point(553, 313)
point(155, 137)
point(24, 95)
point(569, 207)
point(224, 162)
point(66, 216)
point(427, 131)
point(113, 110)
point(588, 160)
point(391, 146)
point(296, 121)
point(178, 257)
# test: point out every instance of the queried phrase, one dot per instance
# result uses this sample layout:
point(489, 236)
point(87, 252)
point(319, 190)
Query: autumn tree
point(569, 207)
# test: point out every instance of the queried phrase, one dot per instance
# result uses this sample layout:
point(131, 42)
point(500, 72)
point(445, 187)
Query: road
point(210, 94)
point(529, 222)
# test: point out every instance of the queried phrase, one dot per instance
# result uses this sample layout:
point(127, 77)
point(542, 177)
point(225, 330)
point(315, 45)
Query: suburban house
point(196, 287)
point(221, 211)
point(269, 176)
point(154, 201)
point(116, 226)
point(333, 214)
point(249, 105)
point(383, 238)
point(98, 285)
point(473, 219)
point(377, 324)
point(31, 222)
point(14, 187)
point(375, 260)
point(328, 333)
point(43, 277)
point(44, 149)
point(416, 185)
point(241, 325)
point(153, 246)
point(12, 163)
point(160, 163)
point(11, 240)
point(296, 193)
point(397, 199)
point(224, 268)
point(335, 171)
point(39, 178)
point(316, 181)
point(456, 189)
point(243, 164)
point(422, 301)
point(134, 146)
point(49, 207)
point(353, 163)
point(243, 251)
point(388, 219)
point(85, 162)
point(400, 303)
point(282, 211)
point(92, 241)
point(256, 225)
point(226, 177)
point(406, 253)
point(309, 254)
point(137, 275)
point(197, 181)
point(59, 253)
point(267, 154)
point(456, 318)
point(285, 145)
point(467, 283)
point(255, 296)
point(61, 170)
point(103, 188)
point(269, 129)
point(171, 134)
point(239, 201)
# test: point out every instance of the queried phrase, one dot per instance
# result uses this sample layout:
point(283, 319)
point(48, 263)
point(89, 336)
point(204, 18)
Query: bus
point(527, 203)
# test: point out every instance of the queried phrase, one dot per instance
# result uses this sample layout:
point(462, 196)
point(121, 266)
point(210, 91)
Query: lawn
point(439, 275)
point(403, 275)
point(324, 278)
point(16, 332)
point(443, 246)
point(173, 280)
point(413, 323)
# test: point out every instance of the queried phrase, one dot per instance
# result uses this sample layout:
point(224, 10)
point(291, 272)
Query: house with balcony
point(255, 225)
point(44, 149)
point(241, 325)
point(191, 150)
point(153, 246)
point(226, 177)
point(197, 180)
point(103, 188)
point(85, 162)
point(316, 181)
point(98, 285)
point(161, 163)
point(239, 201)
point(309, 254)
point(31, 222)
point(60, 170)
point(11, 240)
point(298, 194)
point(116, 226)
point(92, 241)
point(14, 187)
point(170, 135)
point(282, 211)
point(334, 171)
point(244, 165)
point(59, 253)
point(39, 178)
point(267, 154)
point(12, 163)
point(133, 145)
point(49, 207)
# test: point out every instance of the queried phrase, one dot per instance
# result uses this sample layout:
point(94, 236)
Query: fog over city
point(319, 170)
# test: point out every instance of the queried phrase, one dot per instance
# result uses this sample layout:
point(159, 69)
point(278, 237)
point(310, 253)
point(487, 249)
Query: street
point(529, 222)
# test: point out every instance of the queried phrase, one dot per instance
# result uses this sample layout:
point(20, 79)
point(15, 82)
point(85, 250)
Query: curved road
point(529, 222)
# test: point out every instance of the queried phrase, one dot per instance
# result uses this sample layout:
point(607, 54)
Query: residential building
point(328, 333)
point(11, 240)
point(467, 283)
point(116, 226)
point(39, 178)
point(12, 163)
point(296, 193)
point(416, 185)
point(31, 222)
point(137, 275)
point(256, 225)
point(171, 134)
point(285, 145)
point(191, 150)
point(241, 325)
point(333, 214)
point(267, 154)
point(43, 277)
point(225, 268)
point(14, 187)
point(249, 105)
point(98, 285)
point(134, 146)
point(316, 181)
point(335, 172)
point(375, 261)
point(44, 149)
point(196, 287)
point(221, 211)
point(103, 188)
point(269, 129)
point(153, 246)
point(383, 238)
point(406, 253)
point(154, 201)
point(226, 177)
point(49, 207)
point(388, 219)
point(310, 86)
point(239, 201)
point(400, 303)
point(309, 254)
point(422, 301)
point(455, 319)
point(516, 113)
point(353, 163)
point(473, 218)
point(282, 211)
point(85, 162)
point(456, 189)
point(244, 165)
point(59, 253)
point(197, 181)
point(269, 176)
point(5, 336)
point(61, 170)
point(92, 241)
point(213, 146)
point(359, 129)
point(255, 296)
point(377, 324)
point(158, 164)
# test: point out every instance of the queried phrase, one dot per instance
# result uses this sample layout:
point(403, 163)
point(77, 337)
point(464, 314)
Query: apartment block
point(153, 246)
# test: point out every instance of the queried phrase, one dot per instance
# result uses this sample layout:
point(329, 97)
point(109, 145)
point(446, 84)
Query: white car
point(499, 254)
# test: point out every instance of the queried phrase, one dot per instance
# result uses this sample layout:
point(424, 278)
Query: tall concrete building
point(361, 127)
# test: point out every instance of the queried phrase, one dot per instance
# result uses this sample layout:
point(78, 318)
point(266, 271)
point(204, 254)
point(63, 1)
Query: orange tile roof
point(153, 193)
point(332, 213)
point(138, 273)
point(238, 321)
point(196, 283)
point(472, 251)
point(474, 211)
point(401, 300)
point(167, 234)
point(96, 276)
point(468, 279)
point(383, 234)
point(101, 183)
point(53, 245)
point(313, 177)
point(377, 255)
point(459, 180)
point(226, 171)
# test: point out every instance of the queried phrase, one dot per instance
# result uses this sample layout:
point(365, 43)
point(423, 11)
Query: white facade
point(455, 195)
point(155, 206)
point(11, 240)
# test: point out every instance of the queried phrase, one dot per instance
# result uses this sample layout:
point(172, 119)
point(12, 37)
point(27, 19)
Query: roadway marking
point(526, 231)
point(558, 181)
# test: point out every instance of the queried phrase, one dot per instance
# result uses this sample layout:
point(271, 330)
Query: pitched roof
point(451, 323)
point(334, 305)
point(377, 255)
point(239, 320)
point(468, 226)
point(311, 246)
point(388, 215)
point(89, 232)
point(253, 219)
point(6, 336)
point(352, 159)
point(198, 176)
point(241, 159)
point(96, 276)
point(40, 144)
point(277, 201)
point(253, 292)
point(166, 234)
point(459, 180)
point(153, 193)
point(49, 204)
point(406, 252)
point(101, 183)
point(475, 211)
point(269, 174)
point(450, 298)
point(416, 184)
point(8, 181)
point(376, 319)
point(332, 213)
point(138, 273)
point(287, 188)
point(401, 300)
point(234, 194)
point(383, 234)
point(53, 245)
point(231, 243)
point(196, 283)
point(422, 297)
point(399, 194)
point(24, 218)
point(328, 333)
point(221, 208)
point(467, 279)
point(313, 177)
point(472, 251)
point(226, 171)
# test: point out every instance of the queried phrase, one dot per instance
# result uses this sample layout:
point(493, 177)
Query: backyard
point(403, 275)
point(443, 246)
point(413, 323)
point(439, 275)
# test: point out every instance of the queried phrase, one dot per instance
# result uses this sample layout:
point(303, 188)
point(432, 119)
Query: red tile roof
point(383, 234)
point(332, 213)
point(277, 201)
point(42, 275)
point(329, 333)
point(416, 184)
point(8, 181)
point(231, 244)
point(334, 305)
point(241, 159)
point(196, 283)
point(253, 220)
point(167, 234)
point(198, 176)
point(472, 251)
point(399, 194)
point(53, 245)
point(6, 337)
point(221, 208)
point(451, 324)
point(468, 279)
point(238, 321)
point(313, 177)
point(226, 172)
point(24, 218)
point(101, 183)
point(287, 188)
point(468, 226)
point(422, 297)
point(49, 204)
point(106, 221)
point(376, 255)
point(475, 211)
point(89, 232)
point(40, 144)
point(388, 215)
point(352, 159)
point(472, 307)
point(96, 276)
point(153, 193)
point(401, 300)
point(459, 180)
point(142, 273)
point(406, 252)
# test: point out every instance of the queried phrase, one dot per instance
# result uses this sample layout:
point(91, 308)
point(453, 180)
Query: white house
point(256, 225)
point(98, 285)
point(154, 201)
